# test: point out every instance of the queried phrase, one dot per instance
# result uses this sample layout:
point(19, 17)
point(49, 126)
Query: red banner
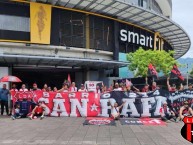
point(63, 104)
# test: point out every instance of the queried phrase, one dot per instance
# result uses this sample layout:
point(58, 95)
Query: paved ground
point(58, 131)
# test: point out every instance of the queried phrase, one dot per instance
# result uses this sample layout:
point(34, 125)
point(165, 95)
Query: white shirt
point(17, 110)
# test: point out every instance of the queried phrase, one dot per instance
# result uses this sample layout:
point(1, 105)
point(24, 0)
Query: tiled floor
point(58, 131)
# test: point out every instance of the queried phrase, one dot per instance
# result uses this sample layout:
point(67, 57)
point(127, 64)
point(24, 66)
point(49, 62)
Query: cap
point(185, 102)
point(82, 85)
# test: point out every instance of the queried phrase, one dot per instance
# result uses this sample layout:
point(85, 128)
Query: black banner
point(144, 104)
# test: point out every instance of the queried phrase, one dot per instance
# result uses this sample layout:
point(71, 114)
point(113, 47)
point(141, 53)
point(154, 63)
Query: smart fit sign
point(149, 41)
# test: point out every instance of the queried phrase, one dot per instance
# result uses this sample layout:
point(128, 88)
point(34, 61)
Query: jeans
point(16, 115)
point(4, 104)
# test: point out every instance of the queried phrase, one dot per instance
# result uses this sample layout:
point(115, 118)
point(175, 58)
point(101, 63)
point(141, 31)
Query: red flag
point(152, 71)
point(176, 73)
point(69, 79)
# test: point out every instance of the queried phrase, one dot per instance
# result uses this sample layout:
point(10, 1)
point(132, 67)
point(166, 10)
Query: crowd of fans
point(165, 113)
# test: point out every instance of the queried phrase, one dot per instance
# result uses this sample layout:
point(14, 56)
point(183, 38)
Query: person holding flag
point(172, 88)
point(152, 71)
point(176, 73)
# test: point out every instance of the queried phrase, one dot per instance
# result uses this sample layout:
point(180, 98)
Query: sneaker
point(18, 117)
point(42, 117)
point(12, 117)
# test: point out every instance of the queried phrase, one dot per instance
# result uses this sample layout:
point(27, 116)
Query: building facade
point(44, 41)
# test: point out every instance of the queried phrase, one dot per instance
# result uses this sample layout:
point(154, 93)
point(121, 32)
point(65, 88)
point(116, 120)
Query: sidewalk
point(58, 131)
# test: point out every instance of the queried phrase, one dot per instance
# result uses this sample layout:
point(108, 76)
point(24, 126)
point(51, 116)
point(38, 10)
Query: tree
point(140, 59)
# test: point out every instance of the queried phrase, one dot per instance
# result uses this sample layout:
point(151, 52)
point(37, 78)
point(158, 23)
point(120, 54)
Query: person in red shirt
point(64, 88)
point(82, 88)
point(45, 88)
point(23, 88)
point(185, 110)
point(145, 88)
point(35, 87)
point(166, 113)
point(39, 110)
point(55, 89)
point(13, 89)
point(154, 86)
point(172, 88)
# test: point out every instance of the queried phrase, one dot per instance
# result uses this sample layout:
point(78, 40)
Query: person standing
point(4, 93)
point(35, 87)
point(73, 87)
point(14, 90)
point(82, 88)
point(23, 88)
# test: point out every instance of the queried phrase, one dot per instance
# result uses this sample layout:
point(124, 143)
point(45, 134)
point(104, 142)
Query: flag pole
point(187, 76)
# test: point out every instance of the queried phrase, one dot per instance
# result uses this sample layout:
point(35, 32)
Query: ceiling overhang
point(46, 61)
point(129, 12)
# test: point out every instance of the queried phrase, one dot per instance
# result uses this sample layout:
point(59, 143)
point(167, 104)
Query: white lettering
point(147, 106)
point(133, 35)
point(132, 110)
point(76, 104)
point(59, 108)
point(142, 40)
point(123, 35)
point(105, 107)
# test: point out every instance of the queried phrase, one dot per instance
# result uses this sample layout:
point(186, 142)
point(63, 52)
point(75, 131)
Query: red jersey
point(39, 109)
point(145, 90)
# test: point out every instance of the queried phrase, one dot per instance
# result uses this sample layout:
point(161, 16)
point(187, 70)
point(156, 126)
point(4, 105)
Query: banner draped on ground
point(93, 104)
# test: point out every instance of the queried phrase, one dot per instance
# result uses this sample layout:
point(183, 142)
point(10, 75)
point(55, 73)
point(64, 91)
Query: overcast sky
point(183, 15)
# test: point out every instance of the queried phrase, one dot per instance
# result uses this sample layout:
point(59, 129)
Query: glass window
point(101, 33)
point(72, 29)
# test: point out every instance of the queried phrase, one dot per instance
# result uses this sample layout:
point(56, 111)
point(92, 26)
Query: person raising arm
point(185, 110)
point(115, 113)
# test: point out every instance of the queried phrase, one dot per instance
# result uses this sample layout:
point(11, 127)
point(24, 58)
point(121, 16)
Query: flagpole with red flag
point(69, 79)
point(152, 71)
point(175, 72)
